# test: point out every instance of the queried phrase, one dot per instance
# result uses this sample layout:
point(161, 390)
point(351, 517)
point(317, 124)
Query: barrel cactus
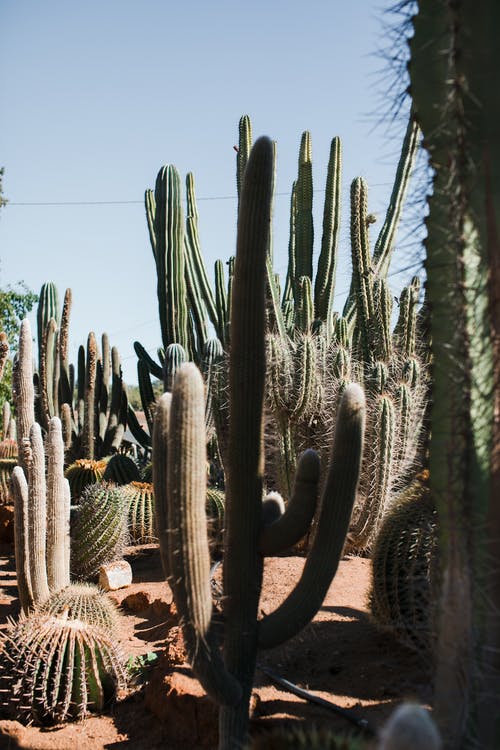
point(55, 669)
point(141, 512)
point(121, 469)
point(100, 531)
point(83, 601)
point(405, 569)
point(82, 473)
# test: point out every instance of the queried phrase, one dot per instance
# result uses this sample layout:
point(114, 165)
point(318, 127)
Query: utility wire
point(137, 202)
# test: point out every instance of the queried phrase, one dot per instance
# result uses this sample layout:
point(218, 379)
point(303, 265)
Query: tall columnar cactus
point(41, 507)
point(166, 231)
point(180, 484)
point(454, 81)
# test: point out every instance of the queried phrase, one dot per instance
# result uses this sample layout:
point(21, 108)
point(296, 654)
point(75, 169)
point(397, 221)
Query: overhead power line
point(136, 202)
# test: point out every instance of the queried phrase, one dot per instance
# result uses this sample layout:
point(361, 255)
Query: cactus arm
point(361, 266)
point(384, 245)
point(276, 320)
point(154, 367)
point(243, 151)
point(65, 393)
point(57, 510)
point(89, 398)
point(21, 505)
point(37, 521)
point(193, 244)
point(220, 302)
point(324, 286)
point(186, 529)
point(169, 233)
point(335, 512)
point(160, 463)
point(197, 308)
point(150, 205)
point(304, 231)
point(137, 431)
point(148, 399)
point(295, 522)
point(23, 386)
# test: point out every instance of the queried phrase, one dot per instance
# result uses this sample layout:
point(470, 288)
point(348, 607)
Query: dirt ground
point(340, 656)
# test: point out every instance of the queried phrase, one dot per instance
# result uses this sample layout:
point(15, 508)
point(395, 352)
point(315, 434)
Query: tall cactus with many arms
point(180, 487)
point(454, 84)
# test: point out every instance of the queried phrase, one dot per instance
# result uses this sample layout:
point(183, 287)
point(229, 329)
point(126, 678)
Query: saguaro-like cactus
point(180, 487)
point(454, 87)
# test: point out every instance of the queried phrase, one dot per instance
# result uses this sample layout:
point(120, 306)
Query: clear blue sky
point(96, 96)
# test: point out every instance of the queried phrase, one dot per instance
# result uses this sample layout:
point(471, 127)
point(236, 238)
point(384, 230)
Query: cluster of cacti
point(100, 532)
point(314, 353)
point(94, 423)
point(405, 585)
point(179, 470)
point(56, 669)
point(453, 69)
point(60, 660)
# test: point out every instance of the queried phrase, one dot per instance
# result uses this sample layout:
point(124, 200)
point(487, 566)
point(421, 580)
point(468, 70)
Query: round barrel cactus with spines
point(55, 669)
point(215, 506)
point(405, 569)
point(83, 601)
point(141, 512)
point(121, 469)
point(82, 473)
point(100, 532)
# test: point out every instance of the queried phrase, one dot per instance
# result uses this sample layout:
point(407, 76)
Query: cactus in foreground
point(410, 727)
point(55, 669)
point(304, 738)
point(100, 533)
point(180, 487)
point(406, 571)
point(454, 83)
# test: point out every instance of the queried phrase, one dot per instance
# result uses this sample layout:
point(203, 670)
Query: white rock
point(115, 575)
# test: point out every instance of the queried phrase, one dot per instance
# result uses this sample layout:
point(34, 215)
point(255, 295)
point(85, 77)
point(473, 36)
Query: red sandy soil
point(340, 656)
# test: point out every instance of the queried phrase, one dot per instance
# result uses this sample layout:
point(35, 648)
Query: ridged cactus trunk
point(454, 86)
point(179, 449)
